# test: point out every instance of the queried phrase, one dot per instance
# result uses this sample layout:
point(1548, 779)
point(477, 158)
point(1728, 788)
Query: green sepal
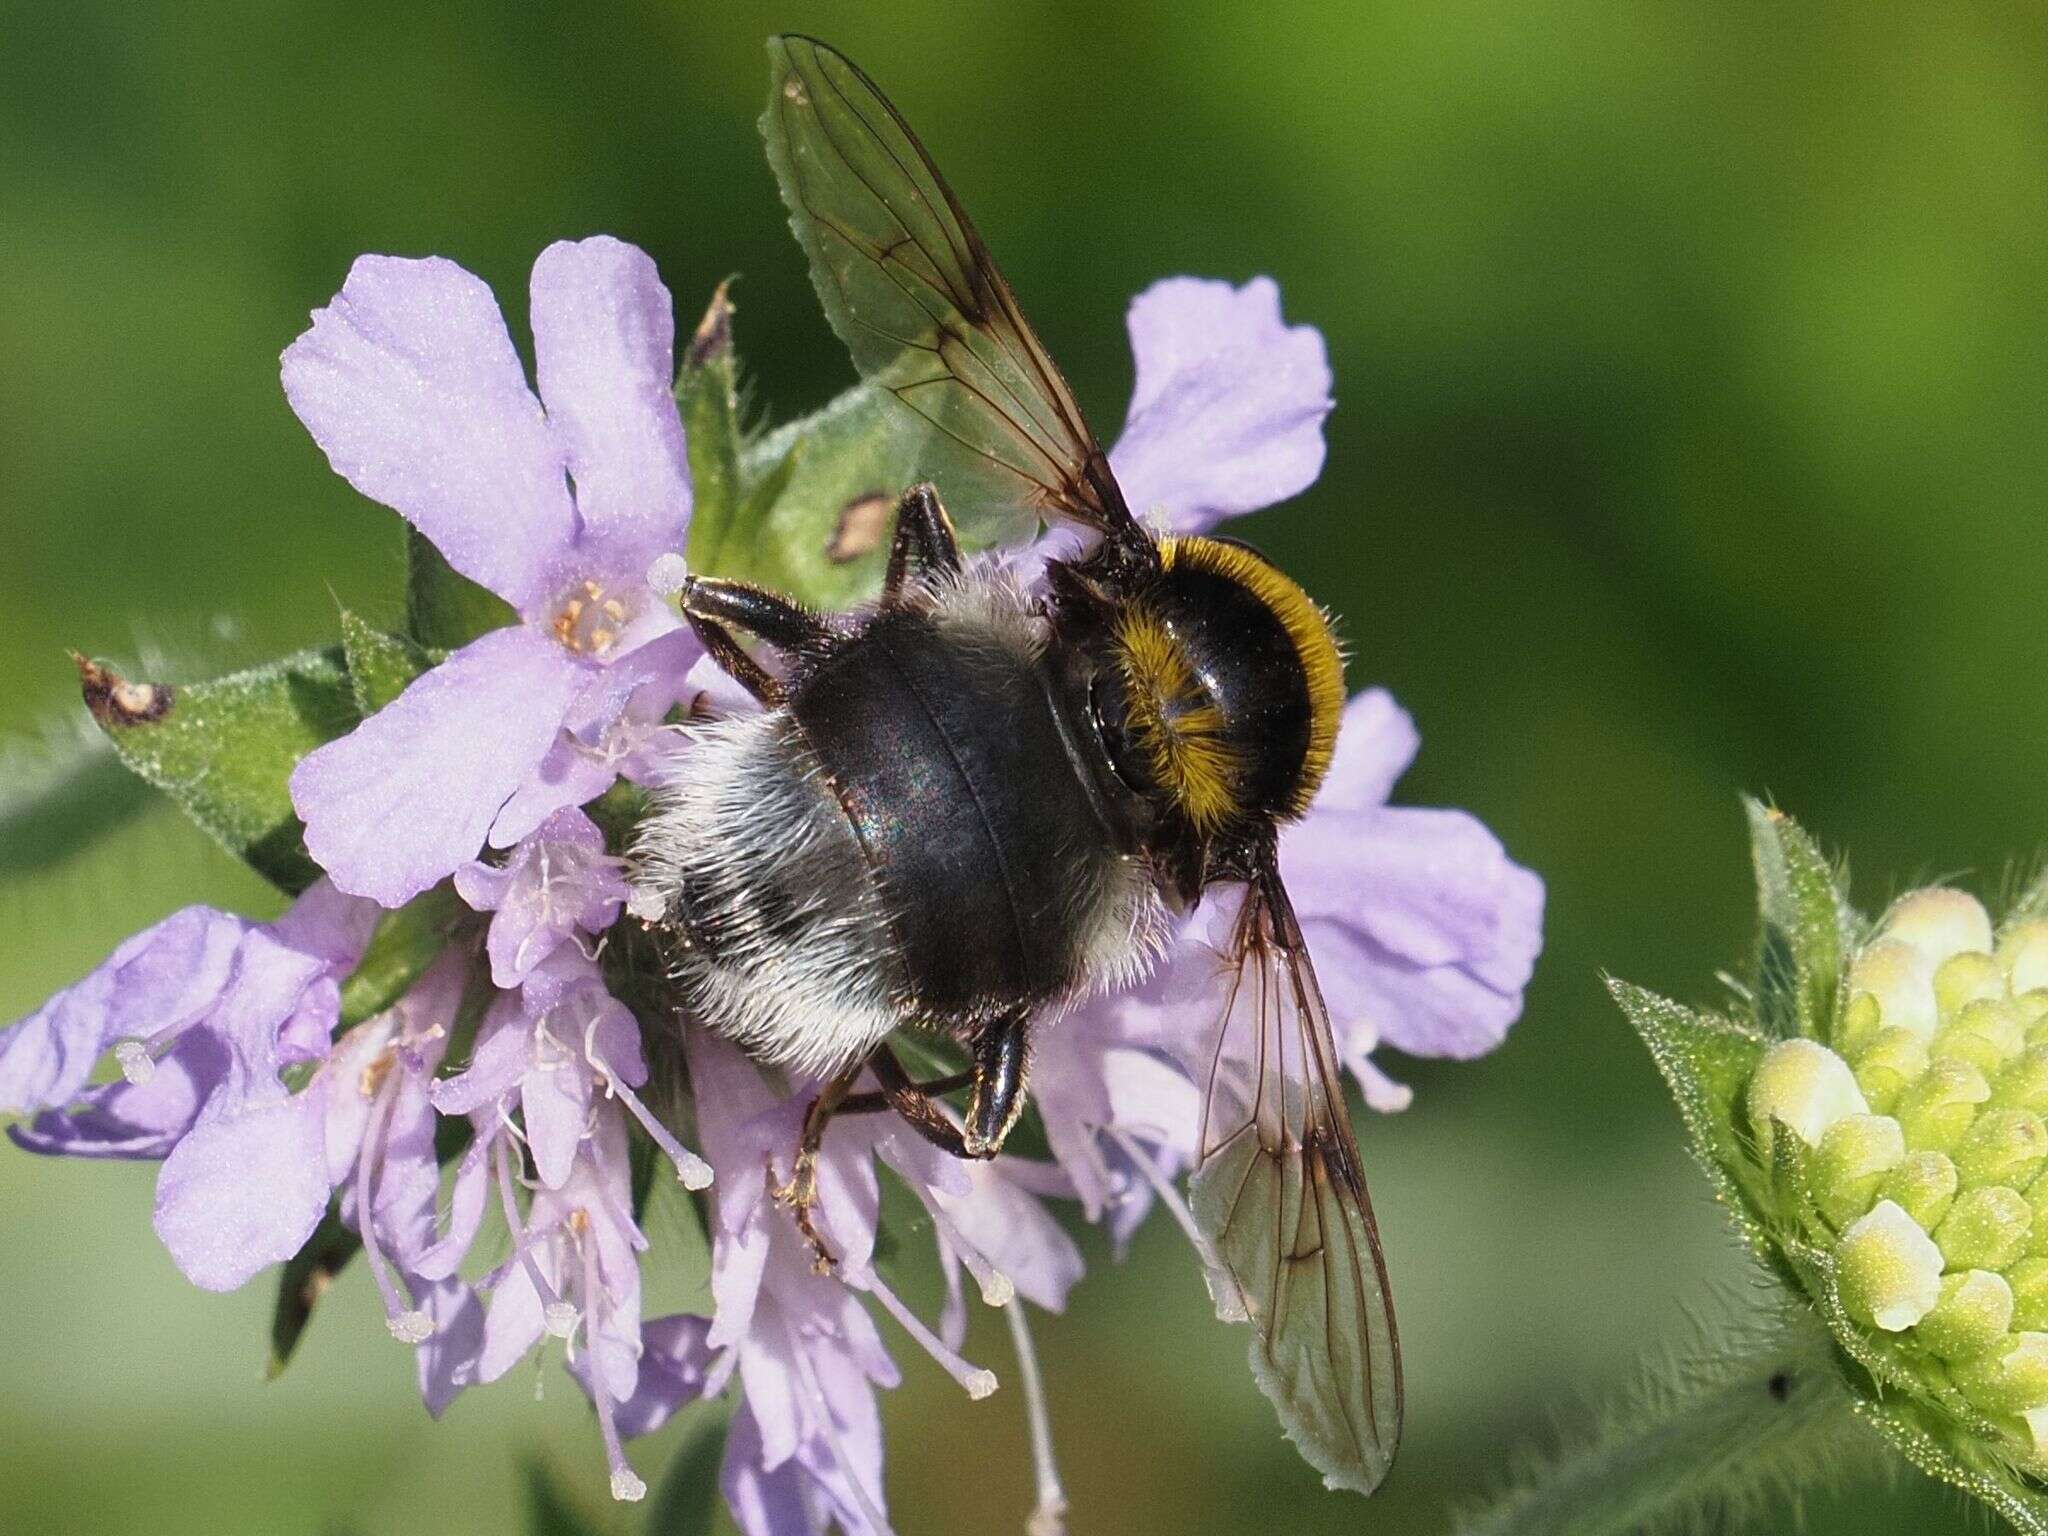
point(445, 610)
point(707, 393)
point(1707, 1063)
point(1913, 1430)
point(224, 750)
point(550, 1511)
point(55, 806)
point(303, 1281)
point(381, 666)
point(407, 940)
point(687, 1501)
point(1806, 928)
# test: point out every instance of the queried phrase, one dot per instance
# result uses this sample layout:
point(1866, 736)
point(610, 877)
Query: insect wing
point(916, 297)
point(1278, 1193)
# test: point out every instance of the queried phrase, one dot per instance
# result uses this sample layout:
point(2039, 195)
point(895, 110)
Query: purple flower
point(559, 881)
point(410, 383)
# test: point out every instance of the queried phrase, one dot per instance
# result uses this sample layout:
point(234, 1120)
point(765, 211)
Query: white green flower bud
point(2023, 1084)
point(2012, 1378)
point(1895, 976)
point(1965, 978)
point(1923, 1186)
point(1939, 922)
point(2023, 951)
point(1987, 1032)
point(1805, 1085)
point(1938, 1110)
point(1973, 1315)
point(2004, 1146)
point(2029, 1282)
point(1985, 1229)
point(1855, 1154)
point(1889, 1064)
point(1890, 1270)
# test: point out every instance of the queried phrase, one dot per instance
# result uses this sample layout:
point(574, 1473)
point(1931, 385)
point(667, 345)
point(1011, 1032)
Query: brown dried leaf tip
point(114, 701)
point(713, 338)
point(862, 522)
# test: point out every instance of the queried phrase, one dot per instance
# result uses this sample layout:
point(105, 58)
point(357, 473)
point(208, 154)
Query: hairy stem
point(1732, 1420)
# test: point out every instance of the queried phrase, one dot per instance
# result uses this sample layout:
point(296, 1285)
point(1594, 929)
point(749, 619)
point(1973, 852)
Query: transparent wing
point(916, 297)
point(1279, 1194)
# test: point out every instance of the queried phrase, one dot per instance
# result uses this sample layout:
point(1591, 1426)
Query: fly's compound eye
point(1109, 705)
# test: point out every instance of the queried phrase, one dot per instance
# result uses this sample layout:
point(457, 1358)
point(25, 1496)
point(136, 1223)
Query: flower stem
point(1716, 1429)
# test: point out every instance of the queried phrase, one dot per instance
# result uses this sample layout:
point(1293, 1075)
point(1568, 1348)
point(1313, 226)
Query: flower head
point(1873, 1115)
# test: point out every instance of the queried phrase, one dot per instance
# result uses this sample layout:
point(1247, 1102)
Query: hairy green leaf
point(445, 610)
point(303, 1281)
point(407, 940)
point(381, 666)
point(224, 750)
point(1806, 928)
point(707, 394)
point(1936, 1450)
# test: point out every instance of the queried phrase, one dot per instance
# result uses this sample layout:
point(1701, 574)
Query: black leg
point(759, 612)
point(924, 541)
point(997, 1099)
point(918, 1103)
point(733, 659)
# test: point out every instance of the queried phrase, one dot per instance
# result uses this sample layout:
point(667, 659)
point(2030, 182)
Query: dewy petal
point(160, 978)
point(410, 384)
point(604, 353)
point(243, 1192)
point(1227, 414)
point(407, 797)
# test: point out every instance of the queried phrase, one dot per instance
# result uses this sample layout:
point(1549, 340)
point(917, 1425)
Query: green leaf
point(549, 1510)
point(1806, 928)
point(380, 666)
point(224, 750)
point(445, 610)
point(707, 393)
point(58, 803)
point(686, 1503)
point(1707, 1063)
point(406, 941)
point(303, 1281)
point(1921, 1437)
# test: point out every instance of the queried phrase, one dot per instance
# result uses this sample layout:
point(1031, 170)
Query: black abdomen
point(951, 769)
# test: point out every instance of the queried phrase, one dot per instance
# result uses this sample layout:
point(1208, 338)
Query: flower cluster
point(513, 1067)
point(1876, 1117)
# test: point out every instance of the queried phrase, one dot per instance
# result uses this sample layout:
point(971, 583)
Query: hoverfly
point(972, 806)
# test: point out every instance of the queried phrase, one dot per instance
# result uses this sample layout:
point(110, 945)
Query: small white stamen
point(647, 905)
point(668, 574)
point(980, 1384)
point(997, 1290)
point(560, 1319)
point(1049, 1515)
point(627, 1487)
point(413, 1327)
point(136, 1064)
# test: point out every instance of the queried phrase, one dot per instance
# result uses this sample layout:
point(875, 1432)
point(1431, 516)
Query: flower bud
point(1855, 1155)
point(1861, 1023)
point(1891, 1061)
point(1939, 922)
point(1985, 1229)
point(1987, 1033)
point(2011, 1378)
point(2004, 1146)
point(1937, 1110)
point(1889, 1270)
point(1964, 979)
point(1974, 1312)
point(1805, 1085)
point(1893, 974)
point(1923, 1186)
point(2029, 1282)
point(2023, 1084)
point(2023, 951)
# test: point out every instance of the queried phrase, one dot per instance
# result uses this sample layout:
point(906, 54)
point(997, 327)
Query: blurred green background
point(1690, 363)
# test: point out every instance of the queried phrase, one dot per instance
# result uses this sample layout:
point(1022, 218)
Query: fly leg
point(924, 542)
point(716, 608)
point(996, 1099)
point(800, 1194)
point(918, 1103)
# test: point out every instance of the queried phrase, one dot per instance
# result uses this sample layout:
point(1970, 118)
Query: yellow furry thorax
point(1183, 733)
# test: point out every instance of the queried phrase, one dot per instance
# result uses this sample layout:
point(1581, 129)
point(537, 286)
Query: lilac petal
point(161, 978)
point(329, 924)
point(765, 1503)
point(407, 797)
point(514, 1322)
point(557, 882)
point(1375, 744)
point(503, 1051)
point(1424, 884)
point(556, 1103)
point(442, 1256)
point(134, 1120)
point(675, 1363)
point(604, 350)
point(448, 1356)
point(409, 383)
point(1016, 1234)
point(1227, 414)
point(243, 1192)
